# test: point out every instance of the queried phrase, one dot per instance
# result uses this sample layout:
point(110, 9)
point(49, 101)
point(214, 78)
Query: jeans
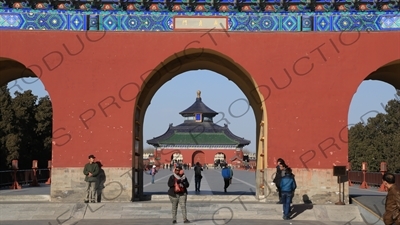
point(91, 187)
point(181, 200)
point(152, 179)
point(286, 197)
point(197, 181)
point(226, 183)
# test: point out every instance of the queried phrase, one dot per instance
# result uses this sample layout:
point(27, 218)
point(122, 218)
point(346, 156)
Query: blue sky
point(222, 95)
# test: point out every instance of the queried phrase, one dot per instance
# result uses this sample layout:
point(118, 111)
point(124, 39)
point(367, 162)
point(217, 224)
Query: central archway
point(196, 59)
point(198, 156)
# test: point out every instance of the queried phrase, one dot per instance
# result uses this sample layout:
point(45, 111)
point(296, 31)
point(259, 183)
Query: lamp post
point(34, 168)
point(49, 167)
point(364, 169)
point(15, 184)
point(383, 170)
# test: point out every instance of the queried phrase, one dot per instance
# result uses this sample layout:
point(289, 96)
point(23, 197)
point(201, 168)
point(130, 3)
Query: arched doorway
point(377, 126)
point(30, 115)
point(198, 156)
point(194, 59)
point(219, 159)
point(176, 157)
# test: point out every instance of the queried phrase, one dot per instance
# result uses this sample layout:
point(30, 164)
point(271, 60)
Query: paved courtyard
point(210, 206)
point(243, 182)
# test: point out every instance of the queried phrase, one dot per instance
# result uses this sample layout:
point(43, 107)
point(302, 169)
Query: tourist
point(197, 176)
point(101, 179)
point(288, 186)
point(392, 205)
point(91, 170)
point(226, 174)
point(153, 172)
point(278, 175)
point(177, 192)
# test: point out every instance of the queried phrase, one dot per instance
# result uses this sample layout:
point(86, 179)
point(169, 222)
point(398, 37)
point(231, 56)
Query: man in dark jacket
point(197, 176)
point(288, 186)
point(179, 181)
point(280, 164)
point(91, 171)
point(392, 205)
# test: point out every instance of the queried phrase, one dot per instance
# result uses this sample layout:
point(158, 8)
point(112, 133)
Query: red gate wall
point(95, 77)
point(311, 109)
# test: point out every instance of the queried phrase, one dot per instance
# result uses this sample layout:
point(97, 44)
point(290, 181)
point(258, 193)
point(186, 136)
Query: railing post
point(348, 173)
point(49, 167)
point(383, 170)
point(364, 169)
point(15, 184)
point(34, 180)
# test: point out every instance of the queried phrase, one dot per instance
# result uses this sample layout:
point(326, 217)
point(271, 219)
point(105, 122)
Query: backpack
point(226, 173)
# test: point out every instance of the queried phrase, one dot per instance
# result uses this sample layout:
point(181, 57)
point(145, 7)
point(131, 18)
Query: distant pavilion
point(198, 139)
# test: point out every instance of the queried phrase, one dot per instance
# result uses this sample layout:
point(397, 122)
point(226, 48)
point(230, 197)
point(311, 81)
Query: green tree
point(378, 140)
point(44, 127)
point(25, 139)
point(7, 150)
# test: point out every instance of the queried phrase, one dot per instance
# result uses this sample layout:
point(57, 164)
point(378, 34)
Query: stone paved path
point(243, 183)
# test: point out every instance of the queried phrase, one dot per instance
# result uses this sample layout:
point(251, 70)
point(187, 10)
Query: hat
point(178, 168)
point(154, 166)
point(91, 157)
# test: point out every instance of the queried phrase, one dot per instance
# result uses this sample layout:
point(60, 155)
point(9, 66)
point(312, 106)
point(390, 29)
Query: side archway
point(389, 74)
point(196, 59)
point(11, 70)
point(198, 156)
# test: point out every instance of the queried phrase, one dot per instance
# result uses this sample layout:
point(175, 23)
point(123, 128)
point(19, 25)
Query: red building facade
point(300, 86)
point(198, 139)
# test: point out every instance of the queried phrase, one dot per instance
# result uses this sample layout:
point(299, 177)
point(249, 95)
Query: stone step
point(196, 211)
point(25, 198)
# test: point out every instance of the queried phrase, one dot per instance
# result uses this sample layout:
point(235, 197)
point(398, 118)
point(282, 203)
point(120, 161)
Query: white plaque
point(200, 23)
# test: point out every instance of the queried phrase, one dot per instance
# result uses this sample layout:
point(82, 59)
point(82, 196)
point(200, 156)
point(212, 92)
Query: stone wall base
point(316, 186)
point(68, 185)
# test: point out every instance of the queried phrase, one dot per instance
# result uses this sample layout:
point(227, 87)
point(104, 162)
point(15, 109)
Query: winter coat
point(92, 168)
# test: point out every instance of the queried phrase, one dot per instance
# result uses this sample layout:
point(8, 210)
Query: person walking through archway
point(177, 192)
point(197, 176)
point(226, 174)
point(153, 172)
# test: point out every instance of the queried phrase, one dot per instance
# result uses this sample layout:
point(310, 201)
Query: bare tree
point(148, 150)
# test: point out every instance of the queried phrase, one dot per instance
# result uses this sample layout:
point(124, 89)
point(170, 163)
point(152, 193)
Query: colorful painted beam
point(174, 21)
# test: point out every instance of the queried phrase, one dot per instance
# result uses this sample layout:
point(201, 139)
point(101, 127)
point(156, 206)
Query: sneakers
point(186, 221)
point(285, 217)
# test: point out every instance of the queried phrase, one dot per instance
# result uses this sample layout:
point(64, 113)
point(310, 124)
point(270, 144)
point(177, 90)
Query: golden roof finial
point(198, 94)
